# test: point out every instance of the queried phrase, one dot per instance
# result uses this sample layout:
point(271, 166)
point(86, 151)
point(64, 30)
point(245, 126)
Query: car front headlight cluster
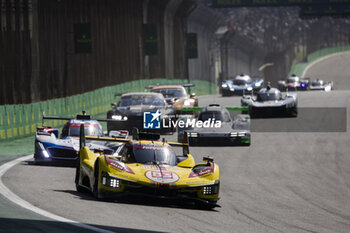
point(110, 181)
point(194, 135)
point(224, 85)
point(237, 134)
point(119, 117)
point(187, 103)
point(211, 190)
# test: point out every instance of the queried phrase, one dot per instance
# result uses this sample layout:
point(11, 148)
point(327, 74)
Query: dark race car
point(50, 147)
point(240, 84)
point(130, 109)
point(217, 128)
point(320, 85)
point(269, 102)
point(294, 83)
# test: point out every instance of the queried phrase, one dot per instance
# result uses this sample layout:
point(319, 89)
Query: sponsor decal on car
point(160, 176)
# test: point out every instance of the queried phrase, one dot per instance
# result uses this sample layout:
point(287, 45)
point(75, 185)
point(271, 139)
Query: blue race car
point(240, 84)
point(50, 147)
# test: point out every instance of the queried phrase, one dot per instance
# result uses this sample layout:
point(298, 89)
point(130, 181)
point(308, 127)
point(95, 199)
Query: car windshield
point(317, 83)
point(150, 154)
point(241, 82)
point(292, 79)
point(171, 92)
point(217, 115)
point(89, 129)
point(131, 100)
point(268, 96)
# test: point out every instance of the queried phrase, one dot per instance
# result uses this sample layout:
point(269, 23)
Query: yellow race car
point(149, 167)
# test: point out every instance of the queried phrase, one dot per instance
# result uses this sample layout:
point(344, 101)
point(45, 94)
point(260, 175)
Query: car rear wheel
point(294, 112)
point(95, 190)
point(77, 177)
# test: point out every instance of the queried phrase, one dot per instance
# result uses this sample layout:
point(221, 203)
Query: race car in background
point(230, 132)
point(147, 167)
point(269, 102)
point(294, 83)
point(50, 147)
point(321, 85)
point(129, 111)
point(176, 95)
point(240, 84)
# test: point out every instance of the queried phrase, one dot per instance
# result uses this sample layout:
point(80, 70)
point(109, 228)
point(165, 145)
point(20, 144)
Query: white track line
point(321, 59)
point(19, 201)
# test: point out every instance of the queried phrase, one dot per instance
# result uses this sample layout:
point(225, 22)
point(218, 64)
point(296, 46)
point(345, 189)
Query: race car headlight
point(232, 89)
point(117, 117)
point(114, 183)
point(224, 85)
point(233, 134)
point(46, 155)
point(187, 103)
point(257, 84)
point(110, 181)
point(211, 190)
point(249, 88)
point(241, 134)
point(194, 135)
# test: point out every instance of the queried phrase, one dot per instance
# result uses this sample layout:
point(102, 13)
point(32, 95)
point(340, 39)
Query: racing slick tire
point(79, 188)
point(225, 93)
point(95, 190)
point(294, 112)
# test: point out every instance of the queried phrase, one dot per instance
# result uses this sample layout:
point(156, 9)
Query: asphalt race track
point(284, 182)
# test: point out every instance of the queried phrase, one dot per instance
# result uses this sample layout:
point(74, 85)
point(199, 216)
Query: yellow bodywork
point(132, 176)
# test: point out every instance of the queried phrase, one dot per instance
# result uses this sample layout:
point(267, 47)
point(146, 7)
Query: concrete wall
point(37, 48)
point(204, 22)
point(240, 55)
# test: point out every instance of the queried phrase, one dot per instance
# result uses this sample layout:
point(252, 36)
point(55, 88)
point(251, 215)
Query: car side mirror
point(192, 95)
point(208, 159)
point(113, 105)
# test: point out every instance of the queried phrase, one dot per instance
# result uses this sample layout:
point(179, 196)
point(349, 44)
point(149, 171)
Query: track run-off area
point(284, 182)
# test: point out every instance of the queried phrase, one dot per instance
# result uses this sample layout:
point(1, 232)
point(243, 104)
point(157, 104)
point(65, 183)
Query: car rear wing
point(257, 79)
point(184, 145)
point(82, 116)
point(159, 85)
point(305, 79)
point(83, 138)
